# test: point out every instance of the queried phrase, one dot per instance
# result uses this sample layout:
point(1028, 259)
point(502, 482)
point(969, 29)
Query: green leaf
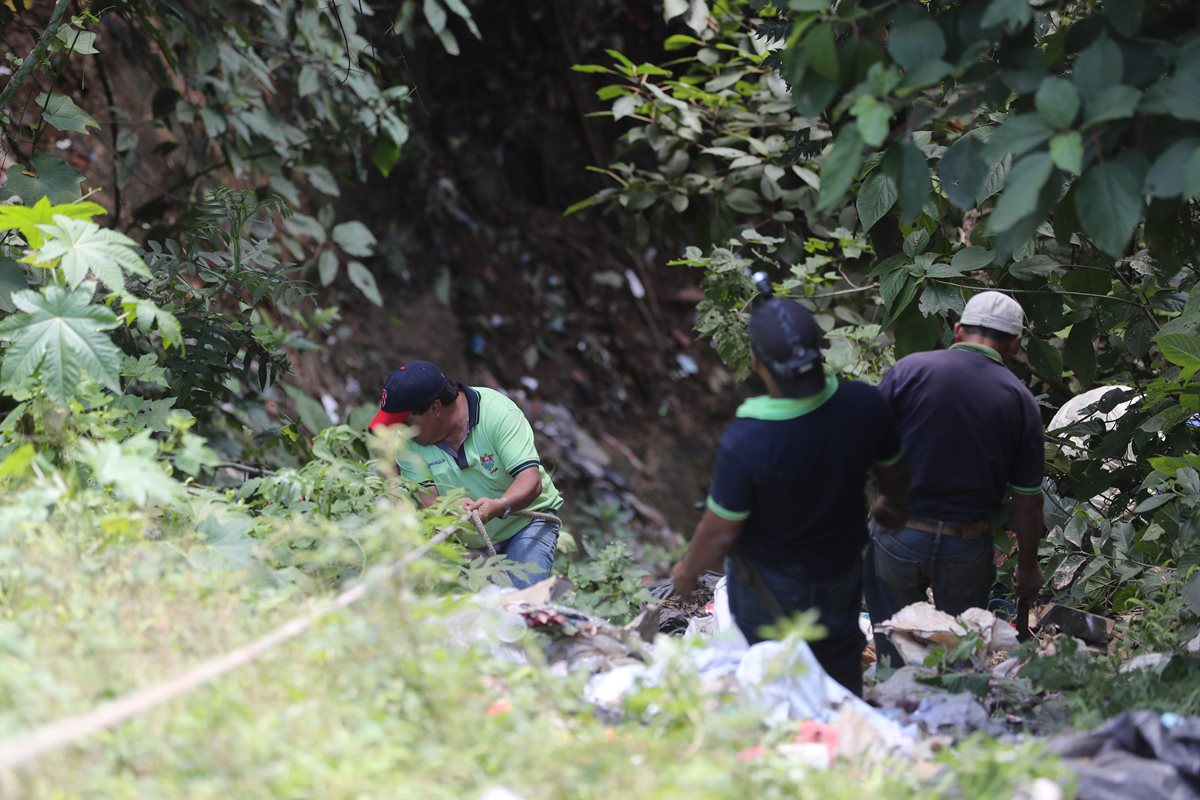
point(435, 15)
point(327, 267)
point(1191, 177)
point(12, 279)
point(1012, 14)
point(873, 119)
point(312, 414)
point(1079, 353)
point(1165, 178)
point(1098, 67)
point(907, 164)
point(305, 226)
point(939, 299)
point(129, 469)
point(60, 335)
point(1177, 96)
point(77, 41)
point(822, 52)
point(1182, 349)
point(1109, 103)
point(840, 168)
point(1125, 16)
point(974, 257)
point(47, 177)
point(743, 200)
point(309, 81)
point(322, 180)
point(1025, 182)
point(1066, 151)
point(81, 246)
point(924, 74)
point(26, 219)
point(385, 155)
point(1045, 359)
point(62, 113)
point(1033, 267)
point(229, 540)
point(354, 238)
point(915, 38)
point(1017, 136)
point(1109, 205)
point(362, 278)
point(677, 42)
point(876, 197)
point(962, 172)
point(1057, 102)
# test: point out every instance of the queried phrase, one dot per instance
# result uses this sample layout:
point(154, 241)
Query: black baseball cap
point(787, 340)
point(409, 388)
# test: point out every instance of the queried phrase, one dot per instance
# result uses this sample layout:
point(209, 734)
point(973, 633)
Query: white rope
point(26, 747)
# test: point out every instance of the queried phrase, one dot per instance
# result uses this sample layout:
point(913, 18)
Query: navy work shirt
point(971, 432)
point(795, 469)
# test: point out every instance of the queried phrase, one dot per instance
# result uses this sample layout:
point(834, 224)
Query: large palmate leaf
point(83, 246)
point(61, 336)
point(131, 469)
point(26, 219)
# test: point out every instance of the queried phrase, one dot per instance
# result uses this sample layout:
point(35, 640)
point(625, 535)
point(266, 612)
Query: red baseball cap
point(409, 388)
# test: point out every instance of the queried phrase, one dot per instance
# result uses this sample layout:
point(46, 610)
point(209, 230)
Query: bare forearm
point(713, 541)
point(525, 488)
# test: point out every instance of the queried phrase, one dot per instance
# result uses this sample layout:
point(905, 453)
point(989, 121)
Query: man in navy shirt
point(972, 433)
point(787, 501)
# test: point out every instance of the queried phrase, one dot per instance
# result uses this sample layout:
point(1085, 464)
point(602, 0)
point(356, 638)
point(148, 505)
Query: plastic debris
point(917, 629)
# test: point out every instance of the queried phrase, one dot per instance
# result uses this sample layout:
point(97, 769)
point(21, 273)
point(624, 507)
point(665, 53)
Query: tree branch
point(37, 54)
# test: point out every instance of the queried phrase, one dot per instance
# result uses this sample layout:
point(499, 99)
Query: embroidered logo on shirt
point(488, 462)
point(433, 464)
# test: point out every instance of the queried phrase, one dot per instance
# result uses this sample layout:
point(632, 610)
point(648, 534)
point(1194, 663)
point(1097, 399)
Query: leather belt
point(963, 530)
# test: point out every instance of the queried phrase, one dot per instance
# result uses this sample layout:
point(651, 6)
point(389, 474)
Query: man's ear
point(958, 332)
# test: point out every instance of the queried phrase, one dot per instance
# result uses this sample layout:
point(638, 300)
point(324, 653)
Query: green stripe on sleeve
point(725, 513)
point(1026, 489)
point(893, 461)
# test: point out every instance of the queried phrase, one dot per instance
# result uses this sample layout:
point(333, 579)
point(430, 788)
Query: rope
point(26, 747)
point(477, 521)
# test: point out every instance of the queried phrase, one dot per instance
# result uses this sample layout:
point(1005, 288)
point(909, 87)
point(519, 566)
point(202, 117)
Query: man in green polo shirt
point(476, 440)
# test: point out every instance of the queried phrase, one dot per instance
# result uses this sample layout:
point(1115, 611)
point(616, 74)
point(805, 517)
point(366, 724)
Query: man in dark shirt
point(972, 433)
point(787, 500)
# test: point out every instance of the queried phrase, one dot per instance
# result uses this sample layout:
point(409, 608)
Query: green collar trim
point(982, 349)
point(780, 408)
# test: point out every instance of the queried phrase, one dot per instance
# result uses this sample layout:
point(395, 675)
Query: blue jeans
point(533, 547)
point(899, 567)
point(838, 599)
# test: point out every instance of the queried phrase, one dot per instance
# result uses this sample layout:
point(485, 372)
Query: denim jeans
point(533, 547)
point(899, 567)
point(838, 599)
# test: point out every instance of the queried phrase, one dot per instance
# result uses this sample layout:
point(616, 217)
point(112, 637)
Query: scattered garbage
point(1090, 628)
point(1138, 754)
point(917, 629)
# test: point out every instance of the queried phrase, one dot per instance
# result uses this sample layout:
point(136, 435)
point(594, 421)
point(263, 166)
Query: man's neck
point(459, 424)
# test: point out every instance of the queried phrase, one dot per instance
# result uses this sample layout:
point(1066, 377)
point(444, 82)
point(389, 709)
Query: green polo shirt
point(499, 446)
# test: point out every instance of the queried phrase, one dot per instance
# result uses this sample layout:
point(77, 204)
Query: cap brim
point(384, 418)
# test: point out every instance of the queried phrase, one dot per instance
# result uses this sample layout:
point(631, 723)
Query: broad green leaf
point(876, 197)
point(743, 200)
point(1057, 102)
point(130, 469)
point(309, 81)
point(962, 172)
point(1109, 204)
point(61, 336)
point(1098, 67)
point(907, 165)
point(464, 13)
point(47, 177)
point(925, 74)
point(327, 267)
point(229, 540)
point(305, 226)
point(435, 15)
point(1165, 178)
point(1066, 151)
point(77, 41)
point(1017, 136)
point(62, 113)
point(1046, 359)
point(1182, 349)
point(312, 414)
point(385, 155)
point(12, 279)
point(1125, 16)
point(17, 462)
point(145, 313)
point(873, 120)
point(323, 181)
point(26, 219)
point(840, 168)
point(1111, 102)
point(678, 41)
point(195, 455)
point(1025, 182)
point(915, 38)
point(1191, 593)
point(938, 298)
point(81, 246)
point(362, 278)
point(1033, 267)
point(822, 52)
point(354, 238)
point(974, 257)
point(1079, 353)
point(1177, 96)
point(1012, 14)
point(1191, 177)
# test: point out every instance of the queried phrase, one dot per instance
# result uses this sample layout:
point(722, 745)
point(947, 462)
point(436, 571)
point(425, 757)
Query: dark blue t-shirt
point(796, 469)
point(971, 431)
